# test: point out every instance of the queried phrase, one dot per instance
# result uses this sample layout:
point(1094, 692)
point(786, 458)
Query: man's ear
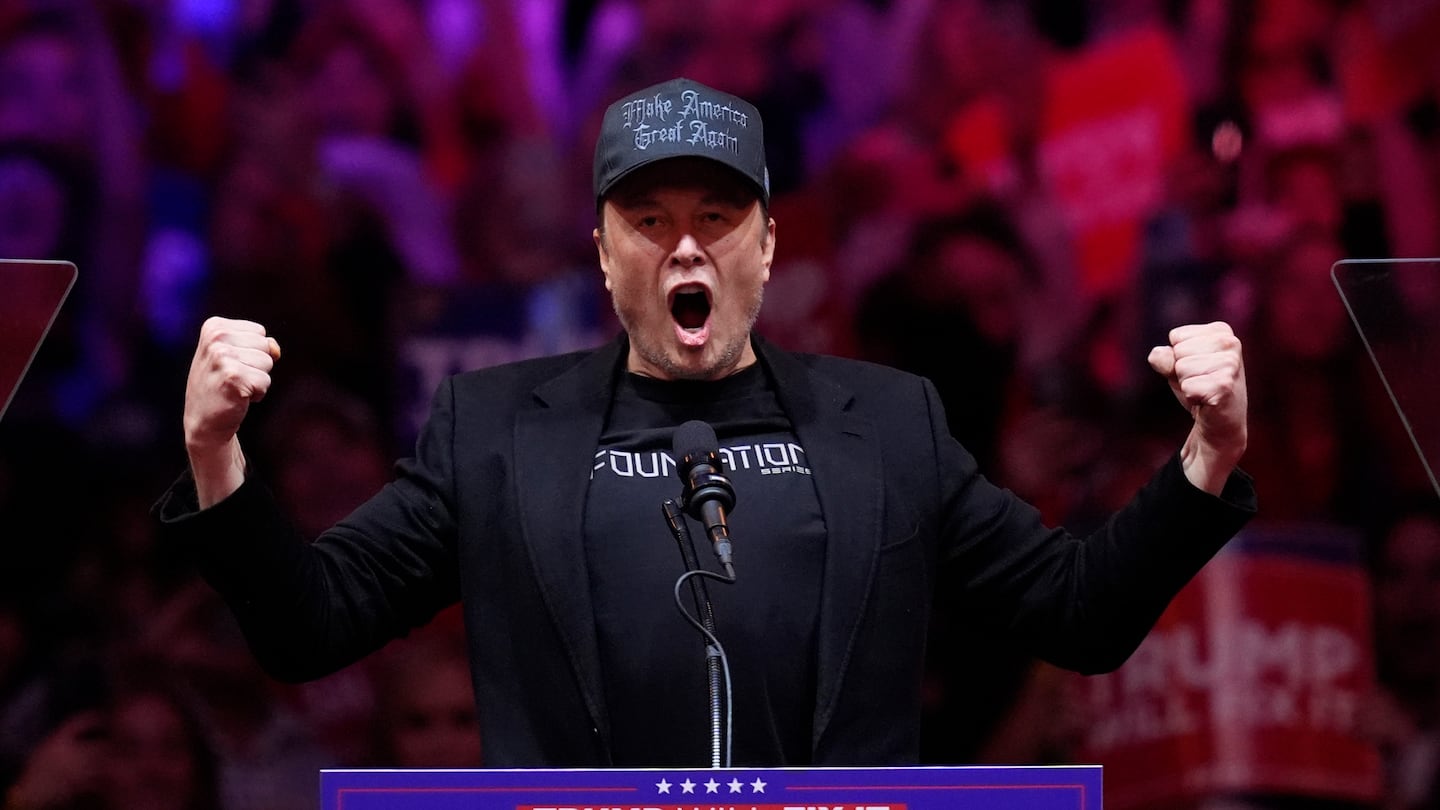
point(604, 254)
point(767, 248)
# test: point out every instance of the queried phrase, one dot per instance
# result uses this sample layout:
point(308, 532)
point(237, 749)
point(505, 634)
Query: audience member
point(425, 711)
point(1405, 715)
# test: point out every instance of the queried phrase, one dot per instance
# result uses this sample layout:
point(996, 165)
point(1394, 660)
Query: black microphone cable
point(717, 664)
point(706, 496)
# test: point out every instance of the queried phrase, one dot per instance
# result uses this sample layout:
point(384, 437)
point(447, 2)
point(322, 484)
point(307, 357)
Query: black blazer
point(489, 511)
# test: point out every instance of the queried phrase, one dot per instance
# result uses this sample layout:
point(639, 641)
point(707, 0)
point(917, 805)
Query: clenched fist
point(1204, 367)
point(231, 370)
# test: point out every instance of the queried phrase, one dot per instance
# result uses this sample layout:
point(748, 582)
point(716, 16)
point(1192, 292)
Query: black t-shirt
point(652, 661)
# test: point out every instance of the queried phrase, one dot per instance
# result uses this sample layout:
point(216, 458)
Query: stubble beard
point(657, 357)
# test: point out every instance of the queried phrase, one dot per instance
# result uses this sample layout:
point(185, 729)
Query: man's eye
point(649, 222)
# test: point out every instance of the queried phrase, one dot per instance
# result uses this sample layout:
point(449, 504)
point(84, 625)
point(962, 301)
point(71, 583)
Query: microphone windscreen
point(694, 438)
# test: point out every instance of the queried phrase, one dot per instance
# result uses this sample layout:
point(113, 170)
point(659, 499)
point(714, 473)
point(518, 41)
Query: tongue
point(694, 338)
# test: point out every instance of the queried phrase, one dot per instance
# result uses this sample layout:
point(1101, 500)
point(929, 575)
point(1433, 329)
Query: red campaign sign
point(1115, 117)
point(1250, 683)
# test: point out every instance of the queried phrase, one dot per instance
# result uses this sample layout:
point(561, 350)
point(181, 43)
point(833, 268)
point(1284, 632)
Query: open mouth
point(690, 308)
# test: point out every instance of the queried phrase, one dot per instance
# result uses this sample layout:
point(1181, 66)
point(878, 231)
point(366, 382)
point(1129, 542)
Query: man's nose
point(687, 252)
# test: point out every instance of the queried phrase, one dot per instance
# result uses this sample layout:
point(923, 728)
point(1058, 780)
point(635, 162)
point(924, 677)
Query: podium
point(1070, 787)
point(1395, 307)
point(31, 293)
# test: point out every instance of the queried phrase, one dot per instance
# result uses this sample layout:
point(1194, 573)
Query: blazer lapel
point(845, 458)
point(555, 442)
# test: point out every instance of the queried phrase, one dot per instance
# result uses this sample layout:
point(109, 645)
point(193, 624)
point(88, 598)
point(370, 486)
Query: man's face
point(686, 251)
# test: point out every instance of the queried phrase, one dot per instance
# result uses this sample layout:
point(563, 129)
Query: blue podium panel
point(935, 788)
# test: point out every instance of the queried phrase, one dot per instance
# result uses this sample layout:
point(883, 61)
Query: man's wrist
point(218, 471)
point(1205, 466)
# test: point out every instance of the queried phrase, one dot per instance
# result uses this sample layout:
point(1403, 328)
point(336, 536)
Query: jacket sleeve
point(310, 608)
point(1082, 603)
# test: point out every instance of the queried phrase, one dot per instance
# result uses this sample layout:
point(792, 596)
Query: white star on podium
point(712, 786)
point(663, 786)
point(757, 786)
point(687, 786)
point(735, 785)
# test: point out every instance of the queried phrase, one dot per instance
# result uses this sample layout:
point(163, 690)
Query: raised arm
point(307, 606)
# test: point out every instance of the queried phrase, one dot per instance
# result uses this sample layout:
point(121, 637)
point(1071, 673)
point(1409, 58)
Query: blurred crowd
point(1013, 198)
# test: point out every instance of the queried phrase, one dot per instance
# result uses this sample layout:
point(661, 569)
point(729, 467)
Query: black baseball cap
point(680, 118)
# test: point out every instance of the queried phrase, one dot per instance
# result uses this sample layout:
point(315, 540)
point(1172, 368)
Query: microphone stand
point(715, 663)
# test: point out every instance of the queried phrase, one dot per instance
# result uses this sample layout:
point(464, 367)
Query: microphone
point(707, 495)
